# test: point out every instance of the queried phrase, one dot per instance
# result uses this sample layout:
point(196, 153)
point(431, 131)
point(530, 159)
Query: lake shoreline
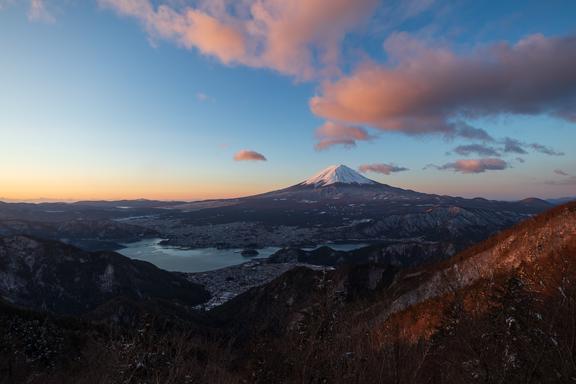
point(197, 260)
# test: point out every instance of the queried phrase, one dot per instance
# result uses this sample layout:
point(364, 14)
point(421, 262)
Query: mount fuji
point(339, 204)
point(337, 174)
point(338, 184)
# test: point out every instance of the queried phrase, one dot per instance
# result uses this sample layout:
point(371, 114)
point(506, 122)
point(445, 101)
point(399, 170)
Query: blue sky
point(95, 104)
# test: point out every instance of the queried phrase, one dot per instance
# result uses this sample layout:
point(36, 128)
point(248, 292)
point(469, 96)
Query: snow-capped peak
point(337, 174)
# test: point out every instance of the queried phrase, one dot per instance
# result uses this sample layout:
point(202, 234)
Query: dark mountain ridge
point(48, 275)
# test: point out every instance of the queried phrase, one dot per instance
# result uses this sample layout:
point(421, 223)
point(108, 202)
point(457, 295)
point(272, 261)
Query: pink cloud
point(474, 165)
point(247, 155)
point(426, 89)
point(301, 38)
point(560, 172)
point(301, 33)
point(382, 168)
point(330, 134)
point(189, 27)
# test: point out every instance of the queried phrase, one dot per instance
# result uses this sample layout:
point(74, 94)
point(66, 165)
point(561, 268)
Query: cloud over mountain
point(382, 168)
point(473, 165)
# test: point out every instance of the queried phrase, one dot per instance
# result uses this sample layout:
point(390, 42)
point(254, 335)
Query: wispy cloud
point(545, 150)
point(248, 155)
point(520, 148)
point(201, 96)
point(513, 146)
point(382, 168)
point(509, 146)
point(479, 149)
point(570, 180)
point(473, 165)
point(567, 178)
point(466, 131)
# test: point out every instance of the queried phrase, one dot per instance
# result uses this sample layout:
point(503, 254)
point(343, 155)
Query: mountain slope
point(42, 274)
point(502, 311)
point(533, 242)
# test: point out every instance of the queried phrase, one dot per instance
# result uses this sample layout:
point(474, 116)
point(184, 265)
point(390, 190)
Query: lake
point(199, 259)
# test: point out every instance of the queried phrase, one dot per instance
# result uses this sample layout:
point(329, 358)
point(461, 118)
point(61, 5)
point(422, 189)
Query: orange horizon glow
point(71, 197)
point(80, 192)
point(37, 193)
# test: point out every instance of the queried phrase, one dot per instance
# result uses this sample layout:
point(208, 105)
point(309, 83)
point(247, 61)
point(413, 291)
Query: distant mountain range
point(561, 200)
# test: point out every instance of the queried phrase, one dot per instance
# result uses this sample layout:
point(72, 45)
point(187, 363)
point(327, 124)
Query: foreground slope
point(502, 311)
